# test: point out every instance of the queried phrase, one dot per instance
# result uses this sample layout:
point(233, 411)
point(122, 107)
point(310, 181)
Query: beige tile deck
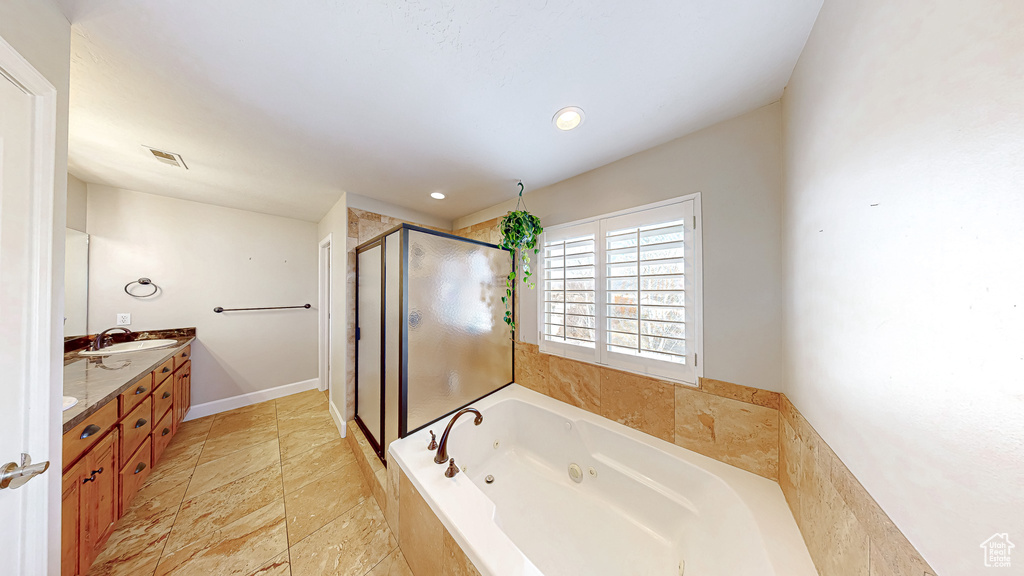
point(265, 490)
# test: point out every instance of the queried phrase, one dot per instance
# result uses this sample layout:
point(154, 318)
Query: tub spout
point(442, 449)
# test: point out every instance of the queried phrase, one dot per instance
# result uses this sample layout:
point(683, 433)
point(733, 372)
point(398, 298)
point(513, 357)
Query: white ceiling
point(279, 106)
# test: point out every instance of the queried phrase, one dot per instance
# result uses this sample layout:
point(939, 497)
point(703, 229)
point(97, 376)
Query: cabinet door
point(69, 518)
point(99, 498)
point(186, 388)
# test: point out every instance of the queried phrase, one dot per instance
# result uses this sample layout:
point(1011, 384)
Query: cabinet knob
point(90, 430)
point(165, 432)
point(165, 370)
point(140, 467)
point(166, 395)
point(140, 390)
point(141, 423)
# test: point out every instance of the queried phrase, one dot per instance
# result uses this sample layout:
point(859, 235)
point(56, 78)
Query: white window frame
point(688, 373)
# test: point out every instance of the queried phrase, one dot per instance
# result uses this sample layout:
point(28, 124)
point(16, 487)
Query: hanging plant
point(519, 232)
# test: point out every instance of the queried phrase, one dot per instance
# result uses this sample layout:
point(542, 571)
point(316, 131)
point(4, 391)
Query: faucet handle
point(452, 469)
point(433, 441)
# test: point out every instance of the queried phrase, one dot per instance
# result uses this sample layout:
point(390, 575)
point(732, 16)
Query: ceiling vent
point(167, 157)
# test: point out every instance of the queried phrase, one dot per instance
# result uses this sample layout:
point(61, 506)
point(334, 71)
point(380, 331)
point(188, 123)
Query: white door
point(29, 421)
point(325, 313)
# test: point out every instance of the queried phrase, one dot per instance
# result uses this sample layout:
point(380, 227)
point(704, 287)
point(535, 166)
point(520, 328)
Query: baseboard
point(243, 400)
point(339, 421)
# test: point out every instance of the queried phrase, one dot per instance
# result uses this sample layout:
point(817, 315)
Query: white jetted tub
point(643, 506)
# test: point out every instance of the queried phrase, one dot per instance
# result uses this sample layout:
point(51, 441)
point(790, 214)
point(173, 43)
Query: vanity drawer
point(135, 428)
point(163, 396)
point(82, 437)
point(181, 357)
point(163, 371)
point(162, 434)
point(134, 396)
point(135, 472)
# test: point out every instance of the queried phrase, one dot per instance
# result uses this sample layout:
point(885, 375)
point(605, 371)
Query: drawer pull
point(186, 375)
point(165, 432)
point(183, 355)
point(140, 467)
point(90, 430)
point(92, 477)
point(165, 396)
point(141, 423)
point(165, 370)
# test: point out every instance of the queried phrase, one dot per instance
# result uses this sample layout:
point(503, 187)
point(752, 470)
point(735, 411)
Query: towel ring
point(143, 282)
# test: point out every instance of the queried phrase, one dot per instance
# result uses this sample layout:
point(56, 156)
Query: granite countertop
point(96, 380)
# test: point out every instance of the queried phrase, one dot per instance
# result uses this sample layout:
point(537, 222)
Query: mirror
point(76, 283)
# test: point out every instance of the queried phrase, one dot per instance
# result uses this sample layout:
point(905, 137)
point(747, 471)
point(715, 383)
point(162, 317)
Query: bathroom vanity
point(129, 407)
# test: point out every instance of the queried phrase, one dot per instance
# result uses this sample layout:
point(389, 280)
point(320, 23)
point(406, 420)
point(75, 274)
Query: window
point(623, 290)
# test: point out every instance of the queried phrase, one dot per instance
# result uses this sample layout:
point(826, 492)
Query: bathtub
point(631, 504)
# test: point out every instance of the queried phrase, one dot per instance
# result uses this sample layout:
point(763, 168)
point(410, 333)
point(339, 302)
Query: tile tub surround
point(757, 430)
point(97, 380)
point(286, 501)
point(735, 424)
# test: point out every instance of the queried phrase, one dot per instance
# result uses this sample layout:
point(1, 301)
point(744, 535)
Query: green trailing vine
point(519, 232)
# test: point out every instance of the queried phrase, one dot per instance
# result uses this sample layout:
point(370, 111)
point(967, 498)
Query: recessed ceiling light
point(568, 118)
point(437, 196)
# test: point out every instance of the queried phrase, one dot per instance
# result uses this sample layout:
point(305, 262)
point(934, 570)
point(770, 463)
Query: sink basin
point(129, 347)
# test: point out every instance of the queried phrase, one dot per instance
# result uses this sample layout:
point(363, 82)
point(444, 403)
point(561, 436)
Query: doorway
point(31, 382)
point(325, 314)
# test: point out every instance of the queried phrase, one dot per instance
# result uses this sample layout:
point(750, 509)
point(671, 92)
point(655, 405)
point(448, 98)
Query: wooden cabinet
point(182, 392)
point(71, 490)
point(98, 500)
point(108, 458)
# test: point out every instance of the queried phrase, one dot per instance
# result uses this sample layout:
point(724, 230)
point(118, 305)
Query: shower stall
point(430, 334)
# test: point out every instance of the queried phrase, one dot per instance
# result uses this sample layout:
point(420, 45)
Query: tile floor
point(265, 490)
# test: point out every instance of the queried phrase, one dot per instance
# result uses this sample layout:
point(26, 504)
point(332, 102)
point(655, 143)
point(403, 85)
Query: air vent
point(167, 157)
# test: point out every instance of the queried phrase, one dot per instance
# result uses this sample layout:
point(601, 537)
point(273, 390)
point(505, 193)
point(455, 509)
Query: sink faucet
point(98, 342)
point(442, 449)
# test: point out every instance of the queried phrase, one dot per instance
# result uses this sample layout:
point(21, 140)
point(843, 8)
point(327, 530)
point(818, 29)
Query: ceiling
point(278, 107)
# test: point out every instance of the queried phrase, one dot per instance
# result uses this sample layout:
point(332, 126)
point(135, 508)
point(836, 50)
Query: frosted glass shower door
point(459, 348)
point(368, 356)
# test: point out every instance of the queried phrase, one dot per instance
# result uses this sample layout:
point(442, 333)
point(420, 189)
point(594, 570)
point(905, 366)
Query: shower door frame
point(403, 336)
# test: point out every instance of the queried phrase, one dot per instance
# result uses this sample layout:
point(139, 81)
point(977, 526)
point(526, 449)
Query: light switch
point(124, 319)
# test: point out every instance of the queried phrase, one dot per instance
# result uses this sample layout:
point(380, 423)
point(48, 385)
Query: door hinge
point(694, 222)
point(695, 360)
point(357, 333)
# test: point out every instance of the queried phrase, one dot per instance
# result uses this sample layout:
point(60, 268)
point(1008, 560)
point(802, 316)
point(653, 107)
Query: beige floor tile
point(135, 546)
point(243, 418)
point(195, 430)
point(225, 444)
point(301, 401)
point(393, 565)
point(299, 441)
point(348, 546)
point(219, 507)
point(180, 454)
point(163, 489)
point(240, 547)
point(278, 566)
point(317, 503)
point(301, 419)
point(314, 464)
point(236, 465)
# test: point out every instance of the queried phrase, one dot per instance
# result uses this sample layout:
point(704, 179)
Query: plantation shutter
point(569, 305)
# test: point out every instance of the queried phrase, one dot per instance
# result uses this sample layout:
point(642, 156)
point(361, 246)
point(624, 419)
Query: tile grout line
point(284, 499)
point(163, 549)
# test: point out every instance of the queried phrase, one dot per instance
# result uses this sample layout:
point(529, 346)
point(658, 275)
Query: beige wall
point(904, 208)
point(203, 256)
point(335, 224)
point(77, 198)
point(735, 165)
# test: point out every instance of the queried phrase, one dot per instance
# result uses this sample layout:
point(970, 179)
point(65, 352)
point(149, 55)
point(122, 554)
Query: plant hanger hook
point(521, 188)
